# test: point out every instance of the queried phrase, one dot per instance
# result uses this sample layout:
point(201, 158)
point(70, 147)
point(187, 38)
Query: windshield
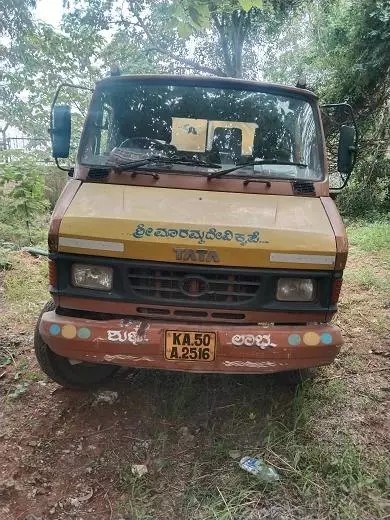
point(130, 121)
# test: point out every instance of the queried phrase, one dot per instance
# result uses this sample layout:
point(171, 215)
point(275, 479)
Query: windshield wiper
point(163, 160)
point(254, 163)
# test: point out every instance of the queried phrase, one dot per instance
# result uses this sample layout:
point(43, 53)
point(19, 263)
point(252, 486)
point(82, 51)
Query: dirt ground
point(64, 455)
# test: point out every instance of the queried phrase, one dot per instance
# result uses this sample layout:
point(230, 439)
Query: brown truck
point(197, 232)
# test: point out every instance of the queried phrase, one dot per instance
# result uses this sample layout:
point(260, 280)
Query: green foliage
point(194, 15)
point(366, 34)
point(365, 201)
point(369, 279)
point(5, 262)
point(18, 390)
point(35, 64)
point(25, 287)
point(343, 46)
point(15, 16)
point(222, 37)
point(23, 200)
point(22, 181)
point(231, 34)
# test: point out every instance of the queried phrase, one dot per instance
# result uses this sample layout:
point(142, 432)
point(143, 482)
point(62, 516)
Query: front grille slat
point(149, 277)
point(172, 278)
point(151, 287)
point(192, 284)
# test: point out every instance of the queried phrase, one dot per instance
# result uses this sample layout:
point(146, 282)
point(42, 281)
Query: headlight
point(295, 290)
point(92, 277)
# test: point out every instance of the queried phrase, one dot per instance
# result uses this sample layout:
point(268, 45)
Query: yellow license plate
point(189, 346)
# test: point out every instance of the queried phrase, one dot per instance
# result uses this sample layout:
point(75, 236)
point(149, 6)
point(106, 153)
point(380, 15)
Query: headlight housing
point(92, 277)
point(295, 290)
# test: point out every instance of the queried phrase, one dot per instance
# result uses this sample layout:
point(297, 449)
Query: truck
point(197, 231)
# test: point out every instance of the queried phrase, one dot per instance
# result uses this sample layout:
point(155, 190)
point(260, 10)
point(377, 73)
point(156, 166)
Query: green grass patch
point(369, 263)
point(322, 464)
point(325, 470)
point(140, 492)
point(370, 237)
point(235, 500)
point(25, 372)
point(369, 279)
point(25, 286)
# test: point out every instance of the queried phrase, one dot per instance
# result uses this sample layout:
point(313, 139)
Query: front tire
point(80, 376)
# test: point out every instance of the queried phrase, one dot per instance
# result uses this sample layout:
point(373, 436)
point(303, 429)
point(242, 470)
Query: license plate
point(189, 346)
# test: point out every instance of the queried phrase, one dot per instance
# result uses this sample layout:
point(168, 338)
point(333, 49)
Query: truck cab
point(196, 233)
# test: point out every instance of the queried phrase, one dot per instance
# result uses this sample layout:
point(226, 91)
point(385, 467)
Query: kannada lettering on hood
point(201, 236)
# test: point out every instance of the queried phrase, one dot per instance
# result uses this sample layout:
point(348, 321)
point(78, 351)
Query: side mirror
point(60, 131)
point(347, 149)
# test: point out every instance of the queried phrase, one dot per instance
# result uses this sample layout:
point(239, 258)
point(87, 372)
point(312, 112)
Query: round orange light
point(311, 338)
point(69, 331)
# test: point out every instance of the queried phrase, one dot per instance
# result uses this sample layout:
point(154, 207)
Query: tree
point(144, 27)
point(15, 19)
point(34, 65)
point(344, 46)
point(15, 16)
point(216, 37)
point(240, 28)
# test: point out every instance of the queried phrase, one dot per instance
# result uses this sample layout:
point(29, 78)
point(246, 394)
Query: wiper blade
point(254, 163)
point(157, 159)
point(196, 162)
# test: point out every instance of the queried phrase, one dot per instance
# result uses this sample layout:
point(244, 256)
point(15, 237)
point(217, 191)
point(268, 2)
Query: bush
point(23, 202)
point(364, 200)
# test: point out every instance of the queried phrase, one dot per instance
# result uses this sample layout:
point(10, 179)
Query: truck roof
point(208, 81)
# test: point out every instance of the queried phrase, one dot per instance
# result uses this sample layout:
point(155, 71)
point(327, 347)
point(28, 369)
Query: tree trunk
point(221, 26)
point(3, 143)
point(232, 29)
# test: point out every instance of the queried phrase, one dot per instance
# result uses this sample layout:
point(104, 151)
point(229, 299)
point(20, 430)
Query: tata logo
point(196, 255)
point(194, 286)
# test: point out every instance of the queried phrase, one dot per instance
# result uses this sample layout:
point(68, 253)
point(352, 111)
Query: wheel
point(78, 376)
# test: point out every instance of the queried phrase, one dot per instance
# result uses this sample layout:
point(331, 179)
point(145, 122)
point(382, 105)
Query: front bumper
point(239, 348)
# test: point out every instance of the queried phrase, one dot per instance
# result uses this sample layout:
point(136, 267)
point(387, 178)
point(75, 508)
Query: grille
point(192, 285)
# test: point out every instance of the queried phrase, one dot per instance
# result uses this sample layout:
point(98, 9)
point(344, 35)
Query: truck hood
point(190, 226)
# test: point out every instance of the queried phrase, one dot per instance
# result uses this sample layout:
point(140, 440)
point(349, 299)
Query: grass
point(15, 234)
point(322, 467)
point(367, 278)
point(325, 465)
point(369, 257)
point(139, 494)
point(25, 287)
point(26, 371)
point(370, 237)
